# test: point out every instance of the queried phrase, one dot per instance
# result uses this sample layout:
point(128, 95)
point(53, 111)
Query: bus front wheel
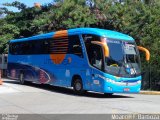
point(21, 79)
point(78, 86)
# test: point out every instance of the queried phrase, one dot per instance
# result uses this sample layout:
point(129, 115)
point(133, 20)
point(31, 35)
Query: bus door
point(95, 56)
point(75, 59)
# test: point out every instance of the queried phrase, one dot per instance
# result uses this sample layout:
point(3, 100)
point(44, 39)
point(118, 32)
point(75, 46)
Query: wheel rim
point(78, 86)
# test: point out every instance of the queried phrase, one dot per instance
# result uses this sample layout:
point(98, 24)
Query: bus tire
point(78, 86)
point(21, 79)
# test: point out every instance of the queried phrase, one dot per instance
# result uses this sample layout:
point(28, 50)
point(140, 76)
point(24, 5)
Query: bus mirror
point(104, 46)
point(146, 52)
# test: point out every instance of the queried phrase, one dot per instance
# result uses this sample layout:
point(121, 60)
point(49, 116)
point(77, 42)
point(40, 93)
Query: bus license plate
point(126, 89)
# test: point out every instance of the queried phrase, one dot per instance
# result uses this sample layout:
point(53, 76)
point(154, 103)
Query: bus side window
point(46, 46)
point(94, 52)
point(25, 48)
point(40, 46)
point(17, 48)
point(75, 45)
point(95, 56)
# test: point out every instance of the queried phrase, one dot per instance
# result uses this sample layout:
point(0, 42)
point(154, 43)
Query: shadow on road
point(68, 91)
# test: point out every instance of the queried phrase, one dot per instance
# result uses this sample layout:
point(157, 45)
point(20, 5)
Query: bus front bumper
point(122, 87)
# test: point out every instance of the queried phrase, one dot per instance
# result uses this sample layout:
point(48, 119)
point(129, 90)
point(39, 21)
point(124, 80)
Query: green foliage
point(139, 19)
point(3, 42)
point(65, 14)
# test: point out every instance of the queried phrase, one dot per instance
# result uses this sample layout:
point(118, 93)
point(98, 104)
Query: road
point(45, 99)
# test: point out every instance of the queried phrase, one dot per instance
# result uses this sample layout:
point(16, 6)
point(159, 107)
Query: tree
point(66, 14)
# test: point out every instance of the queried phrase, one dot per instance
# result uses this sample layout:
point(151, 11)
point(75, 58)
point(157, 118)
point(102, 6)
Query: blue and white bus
point(87, 59)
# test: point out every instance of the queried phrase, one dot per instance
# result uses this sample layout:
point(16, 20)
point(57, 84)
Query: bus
point(86, 59)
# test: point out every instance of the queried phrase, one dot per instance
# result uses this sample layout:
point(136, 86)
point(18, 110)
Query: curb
point(150, 92)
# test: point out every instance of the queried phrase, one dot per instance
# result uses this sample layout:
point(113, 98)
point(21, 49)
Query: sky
point(29, 3)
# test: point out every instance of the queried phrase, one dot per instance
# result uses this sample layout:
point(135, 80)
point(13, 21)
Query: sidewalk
point(150, 92)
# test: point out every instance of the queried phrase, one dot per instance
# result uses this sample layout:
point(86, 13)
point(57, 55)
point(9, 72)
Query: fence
point(150, 79)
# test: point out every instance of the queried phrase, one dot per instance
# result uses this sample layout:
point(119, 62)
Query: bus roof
point(96, 31)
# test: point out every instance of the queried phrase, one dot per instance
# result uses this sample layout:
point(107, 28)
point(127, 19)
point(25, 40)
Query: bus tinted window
point(75, 46)
point(71, 45)
point(95, 56)
point(40, 46)
point(30, 47)
point(14, 48)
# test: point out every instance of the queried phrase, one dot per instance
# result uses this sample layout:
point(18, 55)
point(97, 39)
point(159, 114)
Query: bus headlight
point(139, 82)
point(110, 80)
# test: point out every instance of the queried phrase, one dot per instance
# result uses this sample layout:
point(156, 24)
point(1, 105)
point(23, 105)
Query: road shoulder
point(150, 92)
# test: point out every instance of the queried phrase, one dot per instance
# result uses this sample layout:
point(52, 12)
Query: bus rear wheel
point(78, 86)
point(21, 79)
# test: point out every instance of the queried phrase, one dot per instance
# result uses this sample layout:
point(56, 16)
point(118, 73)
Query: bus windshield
point(123, 59)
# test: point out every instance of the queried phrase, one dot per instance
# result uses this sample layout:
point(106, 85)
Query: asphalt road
point(45, 99)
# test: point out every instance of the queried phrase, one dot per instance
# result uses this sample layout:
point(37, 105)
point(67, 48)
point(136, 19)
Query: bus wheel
point(78, 86)
point(21, 79)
